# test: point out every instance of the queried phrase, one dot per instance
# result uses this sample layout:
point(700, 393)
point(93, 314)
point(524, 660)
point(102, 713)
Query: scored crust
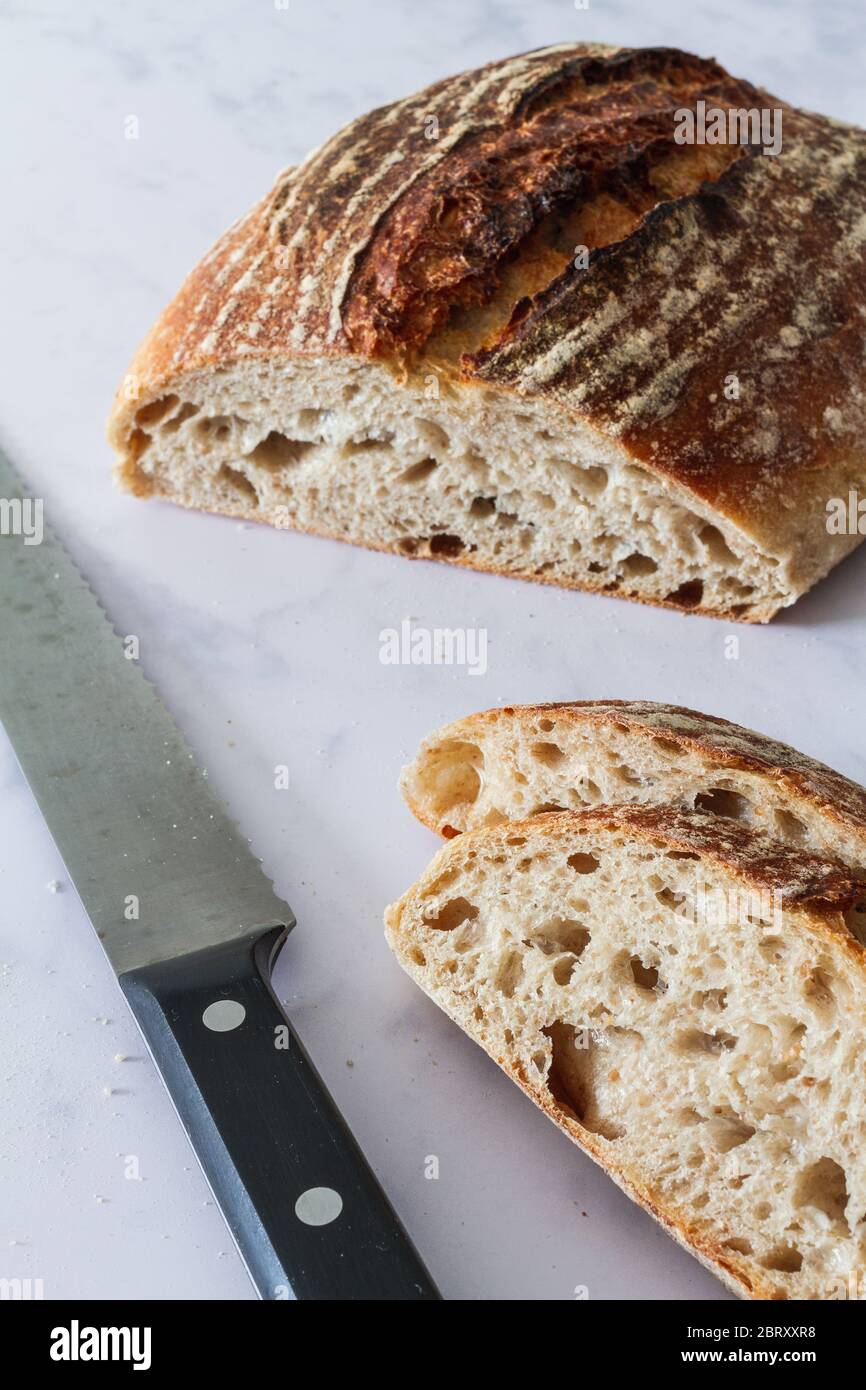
point(451, 258)
point(824, 902)
point(832, 806)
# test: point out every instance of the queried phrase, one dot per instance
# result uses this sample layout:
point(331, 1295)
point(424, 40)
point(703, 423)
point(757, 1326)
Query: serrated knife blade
point(156, 861)
point(191, 926)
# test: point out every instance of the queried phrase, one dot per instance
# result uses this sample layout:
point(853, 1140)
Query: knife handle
point(306, 1212)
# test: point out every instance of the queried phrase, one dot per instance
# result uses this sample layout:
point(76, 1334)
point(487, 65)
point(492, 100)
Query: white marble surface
point(265, 647)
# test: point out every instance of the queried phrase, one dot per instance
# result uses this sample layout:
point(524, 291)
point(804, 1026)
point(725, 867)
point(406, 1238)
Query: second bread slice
point(685, 999)
point(506, 764)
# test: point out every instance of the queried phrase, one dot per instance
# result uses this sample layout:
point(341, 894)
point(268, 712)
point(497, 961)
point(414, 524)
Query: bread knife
point(191, 927)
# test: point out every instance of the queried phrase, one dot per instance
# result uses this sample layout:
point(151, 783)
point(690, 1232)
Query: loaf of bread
point(685, 998)
point(511, 323)
point(506, 764)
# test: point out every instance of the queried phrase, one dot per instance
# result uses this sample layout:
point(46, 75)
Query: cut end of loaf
point(546, 339)
point(707, 1056)
point(486, 481)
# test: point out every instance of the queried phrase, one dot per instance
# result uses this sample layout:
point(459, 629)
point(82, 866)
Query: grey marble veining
point(266, 648)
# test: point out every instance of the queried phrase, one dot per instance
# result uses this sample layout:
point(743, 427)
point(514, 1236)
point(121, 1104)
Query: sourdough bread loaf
point(509, 763)
point(510, 323)
point(685, 999)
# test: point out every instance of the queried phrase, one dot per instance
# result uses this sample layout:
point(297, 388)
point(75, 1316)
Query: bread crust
point(725, 745)
point(759, 274)
point(820, 891)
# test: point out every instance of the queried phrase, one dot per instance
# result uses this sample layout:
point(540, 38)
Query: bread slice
point(686, 1000)
point(506, 764)
point(510, 323)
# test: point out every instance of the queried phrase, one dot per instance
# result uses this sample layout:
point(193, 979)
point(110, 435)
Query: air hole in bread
point(823, 1186)
point(646, 977)
point(139, 441)
point(180, 417)
point(276, 451)
point(215, 426)
point(155, 411)
point(563, 969)
point(238, 481)
point(668, 898)
point(452, 915)
point(784, 1258)
point(363, 446)
point(694, 1042)
point(509, 973)
point(433, 435)
point(545, 726)
point(710, 999)
point(548, 754)
point(548, 807)
point(819, 991)
point(667, 746)
point(688, 1117)
point(562, 934)
point(789, 827)
point(636, 564)
point(583, 863)
point(728, 1132)
point(310, 420)
point(591, 482)
point(688, 595)
point(773, 947)
point(589, 790)
point(446, 545)
point(418, 472)
point(627, 775)
point(855, 920)
point(482, 506)
point(452, 780)
point(720, 801)
point(572, 1078)
point(717, 546)
point(739, 1245)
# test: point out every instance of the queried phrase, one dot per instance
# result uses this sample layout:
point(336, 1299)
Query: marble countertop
point(265, 646)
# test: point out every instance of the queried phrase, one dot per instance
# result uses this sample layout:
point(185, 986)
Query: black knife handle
point(274, 1148)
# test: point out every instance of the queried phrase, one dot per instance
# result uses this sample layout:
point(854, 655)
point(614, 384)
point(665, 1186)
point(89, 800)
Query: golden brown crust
point(821, 889)
point(728, 745)
point(760, 277)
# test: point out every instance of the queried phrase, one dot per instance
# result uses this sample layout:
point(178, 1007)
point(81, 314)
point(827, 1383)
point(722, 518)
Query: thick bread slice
point(506, 764)
point(686, 1000)
point(511, 323)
